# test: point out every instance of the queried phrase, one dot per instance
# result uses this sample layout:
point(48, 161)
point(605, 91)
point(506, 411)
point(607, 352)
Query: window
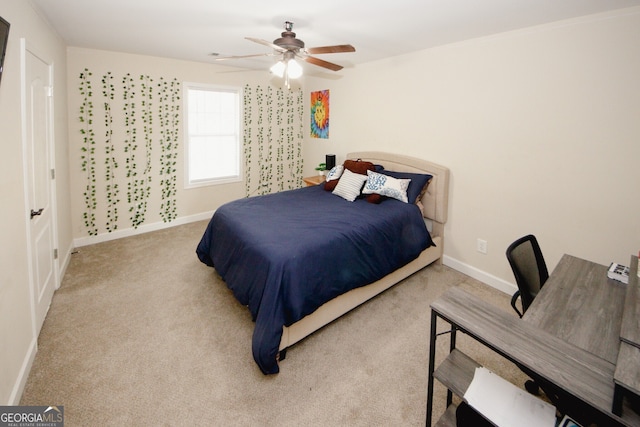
point(212, 134)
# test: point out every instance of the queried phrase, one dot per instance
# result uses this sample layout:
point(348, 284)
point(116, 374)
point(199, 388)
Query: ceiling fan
point(289, 47)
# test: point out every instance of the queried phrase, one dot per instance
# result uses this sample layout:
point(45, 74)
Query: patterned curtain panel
point(273, 135)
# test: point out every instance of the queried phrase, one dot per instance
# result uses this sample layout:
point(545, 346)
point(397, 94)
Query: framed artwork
point(320, 114)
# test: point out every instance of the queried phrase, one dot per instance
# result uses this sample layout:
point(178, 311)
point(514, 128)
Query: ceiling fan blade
point(331, 49)
point(224, 58)
point(322, 63)
point(266, 43)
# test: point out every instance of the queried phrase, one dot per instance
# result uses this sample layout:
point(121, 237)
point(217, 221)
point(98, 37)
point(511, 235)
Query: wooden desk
point(580, 305)
point(570, 336)
point(630, 330)
point(627, 376)
point(578, 372)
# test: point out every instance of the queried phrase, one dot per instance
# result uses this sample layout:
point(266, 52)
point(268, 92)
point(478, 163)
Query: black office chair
point(529, 269)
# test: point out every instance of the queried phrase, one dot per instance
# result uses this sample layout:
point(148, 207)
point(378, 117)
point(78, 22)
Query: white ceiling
point(193, 29)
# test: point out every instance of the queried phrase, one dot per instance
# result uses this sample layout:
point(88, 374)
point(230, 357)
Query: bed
point(300, 278)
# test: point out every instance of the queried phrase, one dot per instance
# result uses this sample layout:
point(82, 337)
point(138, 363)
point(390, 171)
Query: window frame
point(189, 86)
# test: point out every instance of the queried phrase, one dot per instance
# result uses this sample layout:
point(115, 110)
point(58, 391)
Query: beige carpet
point(142, 333)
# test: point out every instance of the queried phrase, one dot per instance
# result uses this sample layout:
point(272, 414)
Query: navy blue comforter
point(283, 255)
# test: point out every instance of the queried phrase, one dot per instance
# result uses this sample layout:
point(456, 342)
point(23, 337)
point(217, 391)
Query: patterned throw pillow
point(349, 185)
point(384, 185)
point(335, 173)
point(417, 186)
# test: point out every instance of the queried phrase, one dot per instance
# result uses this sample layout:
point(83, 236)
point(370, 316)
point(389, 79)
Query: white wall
point(17, 340)
point(540, 128)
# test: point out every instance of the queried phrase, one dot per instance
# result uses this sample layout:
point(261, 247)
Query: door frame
point(25, 49)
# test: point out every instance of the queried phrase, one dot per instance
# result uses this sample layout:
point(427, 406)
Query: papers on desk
point(506, 405)
point(567, 421)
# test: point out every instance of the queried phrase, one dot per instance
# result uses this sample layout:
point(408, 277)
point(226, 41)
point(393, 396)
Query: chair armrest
point(514, 298)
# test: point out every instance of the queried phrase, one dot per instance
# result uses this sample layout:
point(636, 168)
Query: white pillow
point(385, 185)
point(349, 185)
point(335, 173)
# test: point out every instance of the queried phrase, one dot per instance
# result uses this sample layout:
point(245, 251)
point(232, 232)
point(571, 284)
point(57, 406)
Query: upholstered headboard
point(436, 199)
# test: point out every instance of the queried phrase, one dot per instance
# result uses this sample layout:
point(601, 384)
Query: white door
point(38, 141)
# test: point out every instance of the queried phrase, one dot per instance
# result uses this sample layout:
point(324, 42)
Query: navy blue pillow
point(418, 181)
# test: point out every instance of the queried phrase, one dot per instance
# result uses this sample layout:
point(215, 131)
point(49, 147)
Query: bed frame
point(435, 203)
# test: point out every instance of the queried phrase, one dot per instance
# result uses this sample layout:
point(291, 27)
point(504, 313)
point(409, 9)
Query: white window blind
point(213, 134)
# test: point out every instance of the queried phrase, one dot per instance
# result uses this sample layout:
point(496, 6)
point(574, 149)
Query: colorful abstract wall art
point(320, 114)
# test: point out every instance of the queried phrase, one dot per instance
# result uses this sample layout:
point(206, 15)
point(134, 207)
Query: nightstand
point(313, 180)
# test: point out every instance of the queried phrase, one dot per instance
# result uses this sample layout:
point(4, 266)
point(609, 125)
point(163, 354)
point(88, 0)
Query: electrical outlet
point(481, 246)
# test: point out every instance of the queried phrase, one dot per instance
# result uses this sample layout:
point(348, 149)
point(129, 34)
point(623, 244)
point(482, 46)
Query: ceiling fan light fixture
point(288, 67)
point(278, 69)
point(294, 69)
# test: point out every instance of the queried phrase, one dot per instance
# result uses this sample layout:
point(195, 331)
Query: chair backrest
point(529, 268)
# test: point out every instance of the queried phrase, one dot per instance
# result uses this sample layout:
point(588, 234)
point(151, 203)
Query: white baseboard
point(484, 277)
point(23, 375)
point(146, 228)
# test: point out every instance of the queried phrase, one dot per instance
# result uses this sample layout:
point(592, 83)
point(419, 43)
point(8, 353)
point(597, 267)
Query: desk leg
point(618, 394)
point(452, 346)
point(432, 361)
